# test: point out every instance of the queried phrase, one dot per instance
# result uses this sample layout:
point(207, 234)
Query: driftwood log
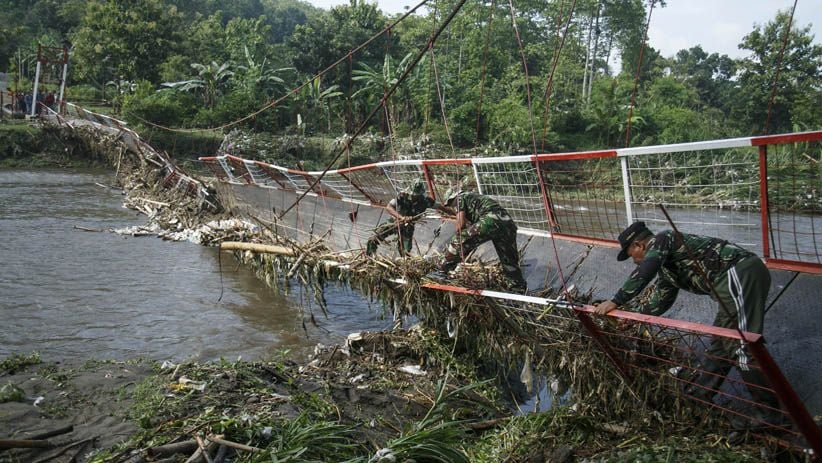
point(25, 444)
point(172, 449)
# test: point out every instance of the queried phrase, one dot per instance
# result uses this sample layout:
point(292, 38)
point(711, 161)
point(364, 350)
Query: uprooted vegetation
point(441, 393)
point(399, 396)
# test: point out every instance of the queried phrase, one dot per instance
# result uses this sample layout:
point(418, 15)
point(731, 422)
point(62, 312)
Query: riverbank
point(25, 144)
point(379, 397)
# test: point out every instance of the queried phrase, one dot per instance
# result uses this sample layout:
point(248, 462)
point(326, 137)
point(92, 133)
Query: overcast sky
point(717, 25)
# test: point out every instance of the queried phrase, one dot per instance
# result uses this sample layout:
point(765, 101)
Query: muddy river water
point(69, 293)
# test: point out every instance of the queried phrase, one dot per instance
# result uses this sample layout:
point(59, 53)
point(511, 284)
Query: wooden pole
point(256, 247)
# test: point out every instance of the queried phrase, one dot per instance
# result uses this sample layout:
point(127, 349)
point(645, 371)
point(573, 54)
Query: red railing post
point(593, 330)
point(763, 199)
point(546, 200)
point(787, 396)
point(429, 180)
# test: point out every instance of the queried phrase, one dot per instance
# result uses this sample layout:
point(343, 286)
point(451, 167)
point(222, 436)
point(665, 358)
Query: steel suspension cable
point(441, 99)
point(779, 69)
point(484, 71)
point(636, 76)
point(431, 40)
point(534, 141)
point(295, 90)
point(525, 70)
point(549, 85)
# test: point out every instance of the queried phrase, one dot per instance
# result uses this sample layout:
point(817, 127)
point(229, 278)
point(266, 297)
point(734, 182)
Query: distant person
point(706, 266)
point(402, 209)
point(49, 100)
point(28, 101)
point(481, 219)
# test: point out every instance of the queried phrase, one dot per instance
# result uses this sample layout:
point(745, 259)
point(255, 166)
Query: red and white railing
point(763, 193)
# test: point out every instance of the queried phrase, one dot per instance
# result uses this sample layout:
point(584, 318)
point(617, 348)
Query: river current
point(70, 293)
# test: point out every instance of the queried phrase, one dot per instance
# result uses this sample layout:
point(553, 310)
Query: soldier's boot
point(768, 412)
point(704, 385)
point(517, 285)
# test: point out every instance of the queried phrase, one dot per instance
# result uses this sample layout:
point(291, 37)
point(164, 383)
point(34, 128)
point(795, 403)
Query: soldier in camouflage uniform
point(701, 265)
point(486, 220)
point(407, 204)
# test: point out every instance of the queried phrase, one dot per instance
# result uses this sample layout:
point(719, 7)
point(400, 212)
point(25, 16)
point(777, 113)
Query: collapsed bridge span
point(760, 192)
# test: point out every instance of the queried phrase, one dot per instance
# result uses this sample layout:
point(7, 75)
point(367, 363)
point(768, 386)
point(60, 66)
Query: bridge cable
point(778, 69)
point(771, 100)
point(525, 70)
point(295, 90)
point(390, 92)
point(636, 76)
point(549, 85)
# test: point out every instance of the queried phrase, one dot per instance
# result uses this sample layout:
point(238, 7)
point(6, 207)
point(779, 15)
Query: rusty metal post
point(787, 396)
point(593, 330)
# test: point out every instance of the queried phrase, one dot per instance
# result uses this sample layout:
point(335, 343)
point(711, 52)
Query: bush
point(165, 107)
point(83, 92)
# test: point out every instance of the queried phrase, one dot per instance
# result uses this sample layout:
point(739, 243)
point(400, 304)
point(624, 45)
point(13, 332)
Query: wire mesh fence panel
point(342, 188)
point(402, 176)
point(677, 360)
point(213, 166)
point(709, 192)
point(278, 179)
point(515, 186)
point(795, 201)
point(585, 196)
point(238, 169)
point(451, 175)
point(372, 183)
point(297, 179)
point(259, 176)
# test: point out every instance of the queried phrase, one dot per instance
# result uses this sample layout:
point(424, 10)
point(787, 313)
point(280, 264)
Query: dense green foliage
point(211, 63)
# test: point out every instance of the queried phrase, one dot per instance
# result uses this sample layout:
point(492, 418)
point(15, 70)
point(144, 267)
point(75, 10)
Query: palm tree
point(210, 78)
point(377, 81)
point(316, 97)
point(258, 77)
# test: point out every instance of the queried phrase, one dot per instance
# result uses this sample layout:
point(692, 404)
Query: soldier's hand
point(604, 307)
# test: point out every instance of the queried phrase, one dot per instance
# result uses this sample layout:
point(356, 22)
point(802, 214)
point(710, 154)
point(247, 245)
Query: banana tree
point(316, 97)
point(257, 77)
point(209, 80)
point(377, 81)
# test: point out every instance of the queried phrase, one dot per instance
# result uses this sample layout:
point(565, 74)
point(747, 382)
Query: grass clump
point(18, 362)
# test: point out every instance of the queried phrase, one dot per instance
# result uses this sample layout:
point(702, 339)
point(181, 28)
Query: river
point(69, 293)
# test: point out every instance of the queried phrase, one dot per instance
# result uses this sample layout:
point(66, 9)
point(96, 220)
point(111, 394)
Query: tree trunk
point(593, 55)
point(587, 55)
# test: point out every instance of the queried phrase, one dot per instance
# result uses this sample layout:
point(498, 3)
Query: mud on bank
point(380, 397)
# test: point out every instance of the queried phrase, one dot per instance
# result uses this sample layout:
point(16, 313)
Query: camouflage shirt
point(408, 204)
point(681, 262)
point(477, 206)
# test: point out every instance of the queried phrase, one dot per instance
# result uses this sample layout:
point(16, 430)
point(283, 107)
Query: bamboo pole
point(256, 247)
point(275, 249)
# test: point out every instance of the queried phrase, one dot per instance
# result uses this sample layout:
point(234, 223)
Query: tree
point(798, 98)
point(210, 78)
point(709, 74)
point(377, 81)
point(315, 97)
point(257, 77)
point(125, 40)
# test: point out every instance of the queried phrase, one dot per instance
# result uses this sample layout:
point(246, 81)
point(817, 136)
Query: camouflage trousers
point(742, 291)
point(383, 231)
point(500, 230)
